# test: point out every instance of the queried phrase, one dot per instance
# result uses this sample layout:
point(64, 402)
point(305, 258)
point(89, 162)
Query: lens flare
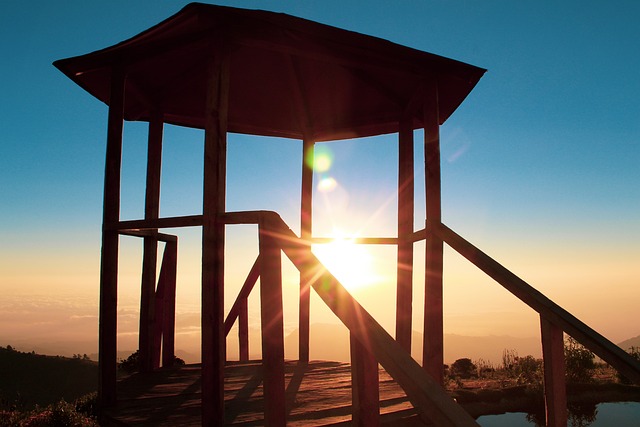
point(327, 184)
point(322, 159)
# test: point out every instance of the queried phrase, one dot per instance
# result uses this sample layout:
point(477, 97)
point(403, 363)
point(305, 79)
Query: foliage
point(132, 363)
point(87, 405)
point(485, 367)
point(579, 362)
point(525, 370)
point(509, 359)
point(635, 353)
point(60, 414)
point(528, 370)
point(463, 368)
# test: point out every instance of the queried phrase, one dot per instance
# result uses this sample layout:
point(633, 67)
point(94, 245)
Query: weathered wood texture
point(404, 292)
point(213, 233)
point(306, 227)
point(317, 394)
point(165, 307)
point(555, 391)
point(271, 315)
point(433, 346)
point(107, 341)
point(365, 386)
point(148, 352)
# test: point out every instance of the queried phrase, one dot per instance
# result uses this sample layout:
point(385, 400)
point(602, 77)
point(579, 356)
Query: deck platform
point(318, 394)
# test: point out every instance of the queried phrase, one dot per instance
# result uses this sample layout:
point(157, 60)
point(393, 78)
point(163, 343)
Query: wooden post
point(271, 311)
point(555, 392)
point(306, 226)
point(433, 350)
point(404, 290)
point(107, 345)
point(243, 330)
point(365, 386)
point(168, 273)
point(148, 357)
point(165, 308)
point(215, 156)
point(159, 303)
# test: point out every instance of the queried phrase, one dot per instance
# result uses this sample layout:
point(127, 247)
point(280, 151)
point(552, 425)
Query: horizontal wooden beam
point(154, 224)
point(246, 217)
point(163, 237)
point(416, 236)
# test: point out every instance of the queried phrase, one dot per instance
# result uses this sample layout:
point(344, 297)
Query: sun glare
point(351, 263)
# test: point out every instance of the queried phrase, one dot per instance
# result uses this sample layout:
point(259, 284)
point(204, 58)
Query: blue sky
point(541, 164)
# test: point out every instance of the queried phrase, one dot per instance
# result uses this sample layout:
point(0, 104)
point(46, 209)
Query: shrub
point(131, 364)
point(509, 359)
point(528, 370)
point(579, 363)
point(463, 368)
point(60, 414)
point(87, 405)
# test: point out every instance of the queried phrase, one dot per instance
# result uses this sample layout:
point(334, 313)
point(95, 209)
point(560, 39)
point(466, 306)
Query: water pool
point(618, 414)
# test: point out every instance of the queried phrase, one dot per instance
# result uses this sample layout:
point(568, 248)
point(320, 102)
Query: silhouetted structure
point(231, 70)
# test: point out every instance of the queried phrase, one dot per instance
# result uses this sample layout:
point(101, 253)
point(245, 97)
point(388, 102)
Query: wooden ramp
point(318, 394)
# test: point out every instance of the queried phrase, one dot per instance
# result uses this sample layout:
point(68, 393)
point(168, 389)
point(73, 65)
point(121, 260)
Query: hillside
point(631, 342)
point(29, 379)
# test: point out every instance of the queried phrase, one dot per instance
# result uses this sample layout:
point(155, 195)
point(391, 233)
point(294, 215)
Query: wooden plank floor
point(318, 394)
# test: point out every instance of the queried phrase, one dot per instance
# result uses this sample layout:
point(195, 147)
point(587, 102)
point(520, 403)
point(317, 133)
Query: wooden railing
point(554, 320)
point(239, 311)
point(370, 343)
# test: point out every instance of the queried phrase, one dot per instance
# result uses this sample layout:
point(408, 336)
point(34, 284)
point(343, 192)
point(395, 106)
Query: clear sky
point(540, 168)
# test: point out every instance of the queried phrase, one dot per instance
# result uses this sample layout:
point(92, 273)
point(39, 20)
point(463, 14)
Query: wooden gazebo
point(223, 70)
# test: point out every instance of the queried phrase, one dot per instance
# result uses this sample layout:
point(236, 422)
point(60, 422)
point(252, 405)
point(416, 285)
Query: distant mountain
point(631, 342)
point(30, 379)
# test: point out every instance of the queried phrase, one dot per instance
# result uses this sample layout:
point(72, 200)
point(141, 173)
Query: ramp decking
point(318, 394)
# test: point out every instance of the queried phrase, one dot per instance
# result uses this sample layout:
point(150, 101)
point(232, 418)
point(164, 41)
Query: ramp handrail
point(602, 347)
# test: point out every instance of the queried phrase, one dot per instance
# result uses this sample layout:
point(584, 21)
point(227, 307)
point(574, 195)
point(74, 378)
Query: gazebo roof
point(289, 77)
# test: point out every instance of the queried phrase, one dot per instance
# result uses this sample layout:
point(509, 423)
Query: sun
point(351, 263)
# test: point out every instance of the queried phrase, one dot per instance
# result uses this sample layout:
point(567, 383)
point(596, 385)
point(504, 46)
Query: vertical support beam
point(243, 330)
point(149, 351)
point(555, 392)
point(165, 307)
point(159, 303)
point(365, 387)
point(306, 227)
point(271, 312)
point(215, 159)
point(432, 353)
point(168, 273)
point(107, 345)
point(404, 290)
